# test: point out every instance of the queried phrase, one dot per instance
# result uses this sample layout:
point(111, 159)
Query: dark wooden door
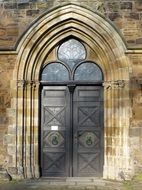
point(71, 131)
point(88, 131)
point(55, 131)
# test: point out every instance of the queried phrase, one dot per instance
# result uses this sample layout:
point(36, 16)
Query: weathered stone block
point(12, 129)
point(2, 31)
point(42, 5)
point(135, 132)
point(3, 119)
point(11, 112)
point(131, 42)
point(11, 150)
point(12, 31)
point(23, 5)
point(9, 139)
point(135, 16)
point(139, 41)
point(137, 111)
point(113, 16)
point(32, 12)
point(10, 5)
point(1, 102)
point(12, 170)
point(3, 174)
point(113, 6)
point(138, 5)
point(126, 5)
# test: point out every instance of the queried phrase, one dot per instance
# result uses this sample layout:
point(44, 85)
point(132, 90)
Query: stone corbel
point(114, 84)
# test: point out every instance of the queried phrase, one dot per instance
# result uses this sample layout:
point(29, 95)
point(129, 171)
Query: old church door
point(71, 114)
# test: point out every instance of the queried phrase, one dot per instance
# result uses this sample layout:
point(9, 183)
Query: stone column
point(35, 129)
point(20, 132)
point(28, 130)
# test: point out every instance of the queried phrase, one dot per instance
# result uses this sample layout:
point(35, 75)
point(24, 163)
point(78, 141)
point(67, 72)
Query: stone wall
point(136, 102)
point(17, 15)
point(7, 63)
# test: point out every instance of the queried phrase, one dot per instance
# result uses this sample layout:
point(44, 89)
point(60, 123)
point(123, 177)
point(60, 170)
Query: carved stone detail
point(99, 6)
point(35, 84)
point(114, 84)
point(21, 83)
point(24, 83)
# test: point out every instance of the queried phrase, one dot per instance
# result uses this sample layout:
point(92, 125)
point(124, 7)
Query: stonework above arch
point(71, 23)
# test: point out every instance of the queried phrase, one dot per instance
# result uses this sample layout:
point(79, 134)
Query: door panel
point(88, 131)
point(55, 129)
point(72, 131)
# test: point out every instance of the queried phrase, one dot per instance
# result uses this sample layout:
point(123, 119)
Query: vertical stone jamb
point(107, 125)
point(116, 98)
point(28, 130)
point(20, 132)
point(35, 128)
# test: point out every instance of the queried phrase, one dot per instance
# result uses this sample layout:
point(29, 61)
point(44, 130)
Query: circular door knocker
point(89, 141)
point(55, 139)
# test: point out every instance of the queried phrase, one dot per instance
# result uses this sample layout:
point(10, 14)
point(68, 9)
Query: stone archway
point(109, 49)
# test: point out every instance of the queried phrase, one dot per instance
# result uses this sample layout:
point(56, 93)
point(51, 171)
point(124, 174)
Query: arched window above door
point(71, 52)
point(88, 71)
point(55, 72)
point(71, 64)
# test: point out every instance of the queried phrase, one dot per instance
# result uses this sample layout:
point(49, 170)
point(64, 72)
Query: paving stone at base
point(69, 179)
point(67, 185)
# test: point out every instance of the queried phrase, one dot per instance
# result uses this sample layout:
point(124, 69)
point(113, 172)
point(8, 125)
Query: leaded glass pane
point(88, 71)
point(55, 72)
point(71, 52)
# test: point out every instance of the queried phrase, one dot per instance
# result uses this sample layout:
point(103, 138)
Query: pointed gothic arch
point(108, 46)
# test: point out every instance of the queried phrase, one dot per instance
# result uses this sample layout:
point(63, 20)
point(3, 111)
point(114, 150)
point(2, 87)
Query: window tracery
point(72, 64)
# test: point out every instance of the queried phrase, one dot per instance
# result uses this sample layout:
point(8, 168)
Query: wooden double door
point(71, 131)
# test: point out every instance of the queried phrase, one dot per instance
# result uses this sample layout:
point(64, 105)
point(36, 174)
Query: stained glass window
point(71, 65)
point(55, 72)
point(71, 52)
point(88, 71)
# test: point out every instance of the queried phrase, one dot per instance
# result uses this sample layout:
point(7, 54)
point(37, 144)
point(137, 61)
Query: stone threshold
point(76, 182)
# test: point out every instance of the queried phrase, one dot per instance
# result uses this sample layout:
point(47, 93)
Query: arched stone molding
point(99, 34)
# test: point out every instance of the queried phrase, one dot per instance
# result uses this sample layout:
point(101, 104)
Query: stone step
point(80, 179)
point(75, 183)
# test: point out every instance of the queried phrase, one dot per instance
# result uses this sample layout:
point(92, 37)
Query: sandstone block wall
point(7, 63)
point(17, 15)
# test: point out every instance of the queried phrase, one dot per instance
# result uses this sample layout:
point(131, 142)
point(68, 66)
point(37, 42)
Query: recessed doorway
point(71, 114)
